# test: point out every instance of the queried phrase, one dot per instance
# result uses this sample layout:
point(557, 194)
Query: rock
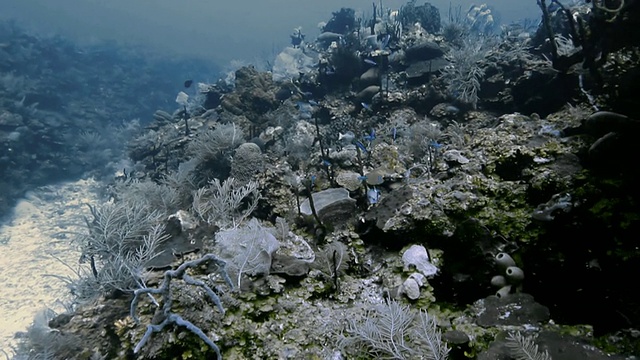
point(455, 337)
point(559, 346)
point(368, 93)
point(454, 156)
point(10, 120)
point(386, 209)
point(289, 265)
point(349, 180)
point(511, 310)
point(411, 288)
point(425, 51)
point(421, 68)
point(332, 205)
point(370, 77)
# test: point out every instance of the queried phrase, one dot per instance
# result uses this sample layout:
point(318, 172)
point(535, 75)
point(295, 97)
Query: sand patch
point(41, 228)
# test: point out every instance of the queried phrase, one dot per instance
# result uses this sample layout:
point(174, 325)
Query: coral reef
point(396, 185)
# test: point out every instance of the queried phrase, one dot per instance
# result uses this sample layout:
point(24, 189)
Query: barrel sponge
point(247, 161)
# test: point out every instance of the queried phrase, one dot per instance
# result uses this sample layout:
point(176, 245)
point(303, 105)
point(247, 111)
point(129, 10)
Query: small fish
point(188, 83)
point(370, 62)
point(313, 102)
point(451, 110)
point(373, 195)
point(366, 106)
point(304, 106)
point(362, 177)
point(326, 163)
point(306, 93)
point(313, 180)
point(394, 133)
point(371, 136)
point(436, 145)
point(346, 137)
point(385, 41)
point(361, 146)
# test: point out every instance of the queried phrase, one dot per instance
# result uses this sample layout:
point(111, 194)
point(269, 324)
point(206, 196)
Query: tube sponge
point(504, 291)
point(514, 274)
point(505, 260)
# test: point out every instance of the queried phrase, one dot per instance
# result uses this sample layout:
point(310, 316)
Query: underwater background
point(219, 31)
point(319, 180)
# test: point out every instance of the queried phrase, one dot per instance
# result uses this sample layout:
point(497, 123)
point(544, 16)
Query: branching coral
point(165, 290)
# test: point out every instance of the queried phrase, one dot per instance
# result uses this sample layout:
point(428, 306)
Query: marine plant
point(464, 73)
point(332, 261)
point(524, 348)
point(42, 342)
point(395, 331)
point(215, 144)
point(226, 204)
point(455, 29)
point(121, 239)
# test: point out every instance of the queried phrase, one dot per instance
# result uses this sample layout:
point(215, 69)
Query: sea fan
point(524, 348)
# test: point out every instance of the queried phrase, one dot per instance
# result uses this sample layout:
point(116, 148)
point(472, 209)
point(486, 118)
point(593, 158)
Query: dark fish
point(188, 83)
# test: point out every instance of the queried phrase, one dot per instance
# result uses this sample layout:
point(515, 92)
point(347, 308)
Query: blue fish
point(393, 134)
point(313, 102)
point(370, 62)
point(361, 146)
point(385, 41)
point(373, 195)
point(362, 177)
point(371, 136)
point(366, 106)
point(435, 145)
point(326, 163)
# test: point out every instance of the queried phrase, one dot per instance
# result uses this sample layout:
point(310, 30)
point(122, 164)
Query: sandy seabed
point(35, 243)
